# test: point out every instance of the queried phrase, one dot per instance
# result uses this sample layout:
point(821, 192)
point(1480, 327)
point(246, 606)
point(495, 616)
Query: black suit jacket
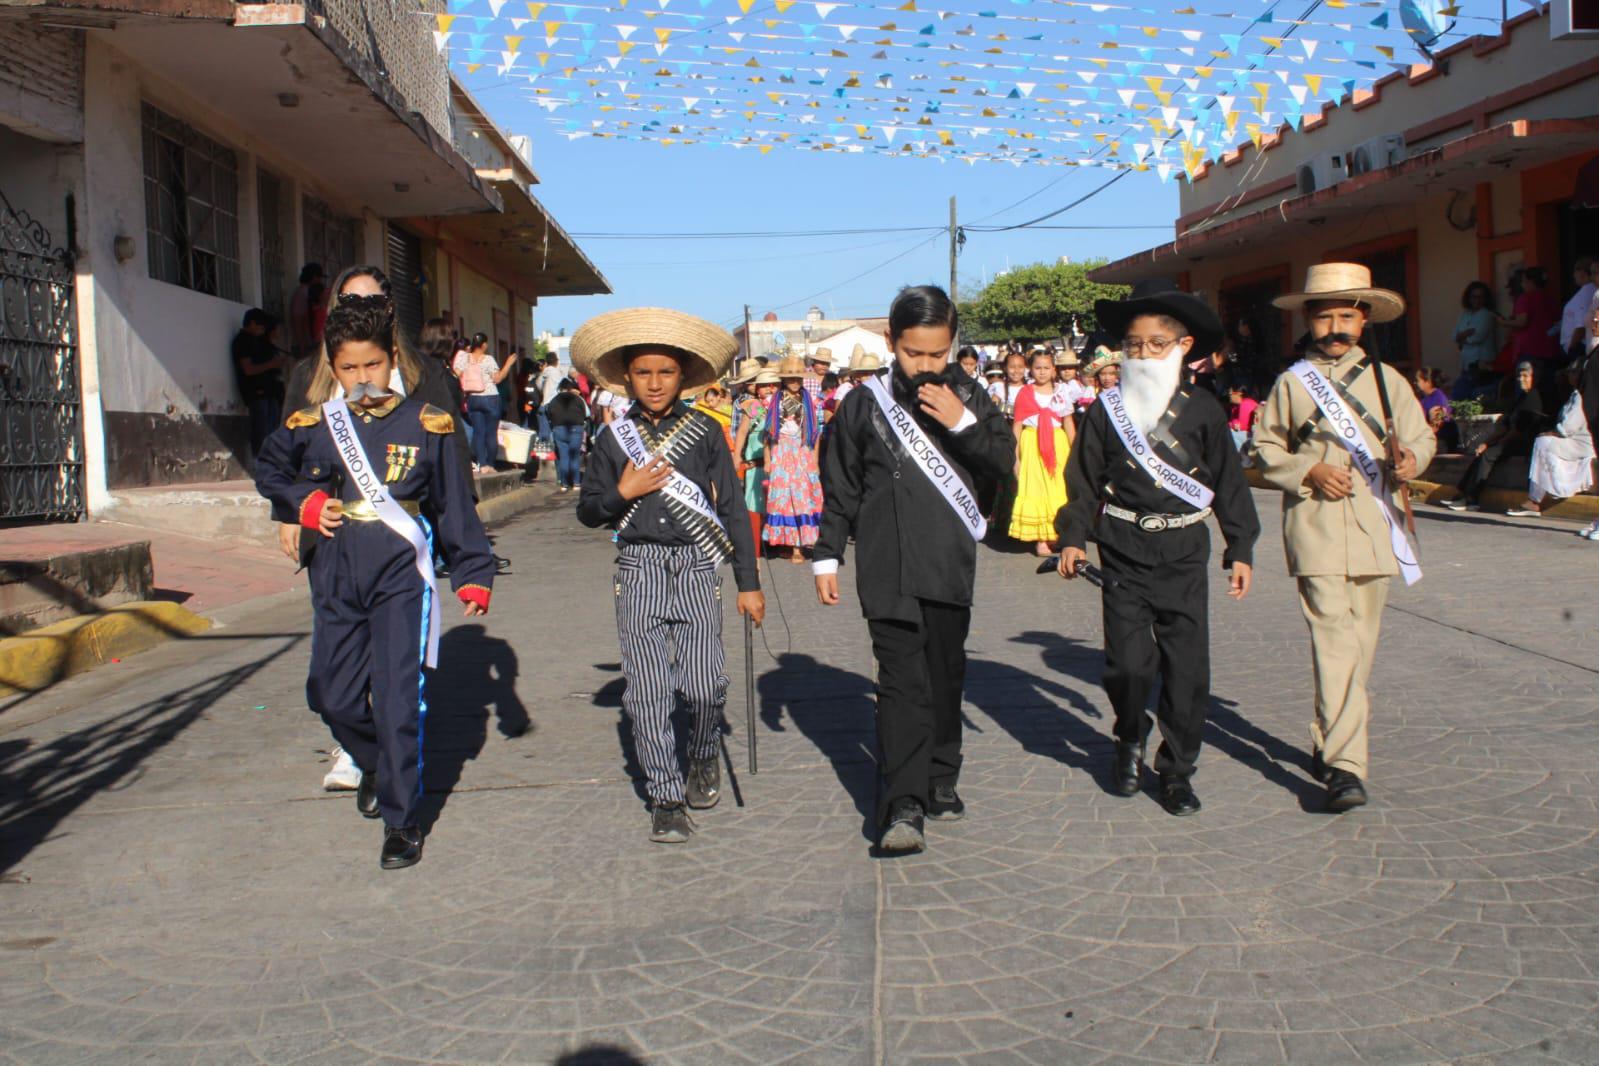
point(909, 544)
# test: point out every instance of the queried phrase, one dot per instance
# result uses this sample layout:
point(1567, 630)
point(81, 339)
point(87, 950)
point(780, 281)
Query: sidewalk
point(174, 886)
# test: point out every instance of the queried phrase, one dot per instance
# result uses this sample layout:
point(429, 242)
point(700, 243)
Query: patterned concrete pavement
point(175, 888)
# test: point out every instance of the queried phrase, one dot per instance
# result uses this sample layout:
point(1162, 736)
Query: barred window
point(191, 207)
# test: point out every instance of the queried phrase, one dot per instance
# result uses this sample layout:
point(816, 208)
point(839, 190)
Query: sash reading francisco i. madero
point(926, 457)
point(1346, 427)
point(1166, 476)
point(683, 498)
point(340, 426)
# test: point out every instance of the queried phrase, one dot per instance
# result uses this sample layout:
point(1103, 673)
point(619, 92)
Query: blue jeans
point(544, 423)
point(568, 455)
point(483, 412)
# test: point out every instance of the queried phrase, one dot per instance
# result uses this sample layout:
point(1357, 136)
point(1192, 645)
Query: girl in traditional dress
point(1044, 434)
point(793, 481)
point(750, 448)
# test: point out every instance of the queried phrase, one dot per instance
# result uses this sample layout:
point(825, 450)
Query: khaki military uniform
point(1339, 550)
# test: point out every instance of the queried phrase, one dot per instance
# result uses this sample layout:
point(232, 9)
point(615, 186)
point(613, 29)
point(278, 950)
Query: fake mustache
point(1348, 340)
point(365, 390)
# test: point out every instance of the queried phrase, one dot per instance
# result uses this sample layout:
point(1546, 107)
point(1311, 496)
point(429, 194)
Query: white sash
point(930, 461)
point(342, 429)
point(1166, 476)
point(677, 486)
point(1346, 426)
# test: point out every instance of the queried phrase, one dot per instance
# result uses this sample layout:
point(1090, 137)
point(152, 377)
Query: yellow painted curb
point(39, 658)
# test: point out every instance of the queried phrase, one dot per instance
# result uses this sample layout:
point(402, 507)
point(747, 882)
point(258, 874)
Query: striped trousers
point(669, 623)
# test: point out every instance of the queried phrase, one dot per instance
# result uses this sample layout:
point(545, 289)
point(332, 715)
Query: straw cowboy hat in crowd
point(1065, 358)
point(821, 355)
point(792, 366)
point(862, 361)
point(1160, 296)
point(1103, 357)
point(766, 376)
point(747, 375)
point(1345, 281)
point(599, 345)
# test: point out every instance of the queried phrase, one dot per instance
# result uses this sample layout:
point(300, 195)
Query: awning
point(1458, 164)
point(297, 86)
point(524, 242)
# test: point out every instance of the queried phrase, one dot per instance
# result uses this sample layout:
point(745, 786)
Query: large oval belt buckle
point(1153, 523)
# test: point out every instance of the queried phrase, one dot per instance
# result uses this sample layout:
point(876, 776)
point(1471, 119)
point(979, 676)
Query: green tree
point(1035, 303)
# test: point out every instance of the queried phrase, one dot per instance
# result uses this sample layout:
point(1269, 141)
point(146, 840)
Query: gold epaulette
point(435, 420)
point(306, 416)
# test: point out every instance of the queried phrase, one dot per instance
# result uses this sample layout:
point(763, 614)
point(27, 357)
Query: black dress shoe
point(366, 795)
point(904, 830)
point(1344, 791)
point(1124, 771)
point(1318, 767)
point(946, 805)
point(402, 847)
point(1177, 796)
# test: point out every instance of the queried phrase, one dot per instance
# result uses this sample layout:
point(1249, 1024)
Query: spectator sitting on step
point(1429, 382)
point(1512, 438)
point(1562, 458)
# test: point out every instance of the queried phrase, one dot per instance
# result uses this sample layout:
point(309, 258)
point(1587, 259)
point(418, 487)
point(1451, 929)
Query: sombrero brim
point(1204, 325)
point(1383, 305)
point(599, 343)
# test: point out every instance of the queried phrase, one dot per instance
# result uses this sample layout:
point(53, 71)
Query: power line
point(1059, 211)
point(733, 235)
point(893, 259)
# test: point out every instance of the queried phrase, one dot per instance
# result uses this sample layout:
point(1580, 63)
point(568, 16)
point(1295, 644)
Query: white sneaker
point(345, 775)
point(1591, 533)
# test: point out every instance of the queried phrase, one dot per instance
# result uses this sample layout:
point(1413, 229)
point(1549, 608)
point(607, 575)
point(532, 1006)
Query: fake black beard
point(1348, 340)
point(925, 379)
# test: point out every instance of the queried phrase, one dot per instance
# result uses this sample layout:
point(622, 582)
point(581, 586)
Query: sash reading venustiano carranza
point(342, 428)
point(683, 498)
point(1346, 427)
point(926, 457)
point(1166, 476)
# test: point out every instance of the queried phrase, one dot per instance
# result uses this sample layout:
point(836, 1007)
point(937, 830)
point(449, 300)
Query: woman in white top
point(1562, 459)
point(480, 375)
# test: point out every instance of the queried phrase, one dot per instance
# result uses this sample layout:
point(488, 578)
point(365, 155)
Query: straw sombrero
point(599, 343)
point(1067, 358)
point(821, 355)
point(1345, 281)
point(766, 377)
point(747, 375)
point(792, 366)
point(862, 361)
point(1102, 358)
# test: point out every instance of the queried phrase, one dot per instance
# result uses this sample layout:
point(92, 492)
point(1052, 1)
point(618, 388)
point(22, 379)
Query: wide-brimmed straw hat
point(1102, 358)
point(747, 375)
point(766, 376)
point(1345, 281)
point(1160, 296)
point(1067, 358)
point(599, 344)
point(862, 361)
point(821, 355)
point(792, 366)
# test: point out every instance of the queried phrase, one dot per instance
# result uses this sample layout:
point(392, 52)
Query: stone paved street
point(174, 886)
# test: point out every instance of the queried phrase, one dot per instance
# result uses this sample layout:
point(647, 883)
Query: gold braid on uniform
point(305, 416)
point(436, 420)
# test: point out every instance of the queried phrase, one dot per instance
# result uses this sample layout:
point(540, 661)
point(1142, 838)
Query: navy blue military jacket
point(412, 444)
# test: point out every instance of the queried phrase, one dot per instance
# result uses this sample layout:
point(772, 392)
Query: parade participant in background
point(862, 365)
point(901, 478)
point(1324, 441)
point(1153, 461)
point(1044, 432)
point(970, 362)
point(1067, 380)
point(713, 403)
point(373, 590)
point(1004, 393)
point(750, 447)
point(662, 477)
point(793, 480)
point(817, 367)
point(993, 375)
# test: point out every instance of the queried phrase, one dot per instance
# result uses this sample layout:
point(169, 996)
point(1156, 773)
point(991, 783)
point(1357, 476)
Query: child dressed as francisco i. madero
point(661, 475)
point(372, 477)
point(904, 464)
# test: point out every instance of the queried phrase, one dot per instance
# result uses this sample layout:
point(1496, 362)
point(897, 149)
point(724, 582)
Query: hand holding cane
point(1392, 441)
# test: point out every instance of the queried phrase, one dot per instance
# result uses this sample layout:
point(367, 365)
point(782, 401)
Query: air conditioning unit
point(1376, 153)
point(1322, 172)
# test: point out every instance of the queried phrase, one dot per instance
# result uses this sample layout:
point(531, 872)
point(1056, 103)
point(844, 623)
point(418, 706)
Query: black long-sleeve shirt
point(1101, 470)
point(707, 464)
point(909, 543)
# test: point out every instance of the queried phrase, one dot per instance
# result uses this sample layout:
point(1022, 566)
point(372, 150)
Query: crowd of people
point(1132, 443)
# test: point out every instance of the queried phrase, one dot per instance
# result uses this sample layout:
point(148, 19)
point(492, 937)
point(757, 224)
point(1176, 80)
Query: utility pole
point(954, 230)
point(749, 342)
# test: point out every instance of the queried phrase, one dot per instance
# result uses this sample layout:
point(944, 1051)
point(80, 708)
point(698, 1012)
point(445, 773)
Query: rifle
point(1392, 443)
point(1085, 570)
point(749, 687)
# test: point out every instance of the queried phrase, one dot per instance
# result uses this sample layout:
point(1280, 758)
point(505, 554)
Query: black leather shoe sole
point(1179, 803)
point(1346, 798)
point(366, 796)
point(398, 853)
point(1124, 777)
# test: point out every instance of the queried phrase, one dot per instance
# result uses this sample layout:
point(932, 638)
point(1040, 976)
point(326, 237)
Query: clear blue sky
point(610, 186)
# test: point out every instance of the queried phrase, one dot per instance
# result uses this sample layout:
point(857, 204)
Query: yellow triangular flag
point(535, 10)
point(513, 44)
point(444, 22)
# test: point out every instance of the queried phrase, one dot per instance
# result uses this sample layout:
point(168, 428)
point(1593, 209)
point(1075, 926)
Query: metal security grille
point(191, 207)
point(405, 281)
point(41, 449)
point(269, 200)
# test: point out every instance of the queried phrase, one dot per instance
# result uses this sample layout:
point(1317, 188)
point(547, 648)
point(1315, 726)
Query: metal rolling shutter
point(405, 281)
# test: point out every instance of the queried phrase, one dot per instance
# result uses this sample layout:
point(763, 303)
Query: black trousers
point(921, 672)
point(1477, 474)
point(1157, 624)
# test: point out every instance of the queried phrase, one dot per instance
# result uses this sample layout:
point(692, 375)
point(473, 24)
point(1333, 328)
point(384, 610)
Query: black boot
point(1128, 762)
point(1177, 796)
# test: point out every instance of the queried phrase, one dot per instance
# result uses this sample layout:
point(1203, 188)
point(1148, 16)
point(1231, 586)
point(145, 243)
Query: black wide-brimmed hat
point(1160, 296)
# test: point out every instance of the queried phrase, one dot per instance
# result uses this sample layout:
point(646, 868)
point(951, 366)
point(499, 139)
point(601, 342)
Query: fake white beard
point(1148, 386)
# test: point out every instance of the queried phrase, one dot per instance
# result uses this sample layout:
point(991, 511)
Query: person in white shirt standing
point(547, 386)
point(1574, 316)
point(1067, 382)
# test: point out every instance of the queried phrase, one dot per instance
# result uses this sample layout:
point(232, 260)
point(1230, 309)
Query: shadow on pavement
point(40, 785)
point(476, 678)
point(835, 711)
point(599, 1055)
